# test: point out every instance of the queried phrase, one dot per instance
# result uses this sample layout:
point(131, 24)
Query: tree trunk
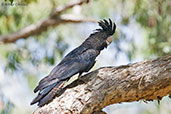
point(147, 80)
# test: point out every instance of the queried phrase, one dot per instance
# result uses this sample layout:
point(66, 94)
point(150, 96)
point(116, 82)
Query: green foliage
point(11, 1)
point(155, 18)
point(62, 46)
point(31, 80)
point(13, 60)
point(8, 108)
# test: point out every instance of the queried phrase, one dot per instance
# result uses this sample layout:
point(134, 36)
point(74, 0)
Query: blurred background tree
point(143, 32)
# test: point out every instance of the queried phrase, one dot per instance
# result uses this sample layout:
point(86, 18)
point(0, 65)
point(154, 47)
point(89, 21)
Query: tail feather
point(47, 89)
point(48, 93)
point(42, 93)
point(49, 97)
point(35, 100)
point(43, 84)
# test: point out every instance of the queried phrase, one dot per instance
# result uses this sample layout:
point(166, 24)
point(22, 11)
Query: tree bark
point(147, 80)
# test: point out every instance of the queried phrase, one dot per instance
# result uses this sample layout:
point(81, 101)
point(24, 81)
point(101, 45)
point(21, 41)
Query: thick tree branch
point(54, 19)
point(147, 80)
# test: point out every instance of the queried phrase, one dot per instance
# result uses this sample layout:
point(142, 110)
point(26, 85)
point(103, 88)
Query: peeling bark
point(147, 80)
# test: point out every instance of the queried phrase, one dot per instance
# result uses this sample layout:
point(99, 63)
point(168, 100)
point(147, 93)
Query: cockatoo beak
point(109, 40)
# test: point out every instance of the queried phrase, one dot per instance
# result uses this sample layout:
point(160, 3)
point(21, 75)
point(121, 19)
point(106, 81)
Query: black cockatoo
point(79, 60)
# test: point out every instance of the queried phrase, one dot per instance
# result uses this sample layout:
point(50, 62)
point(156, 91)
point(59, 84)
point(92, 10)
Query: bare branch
point(73, 19)
point(61, 9)
point(53, 20)
point(147, 80)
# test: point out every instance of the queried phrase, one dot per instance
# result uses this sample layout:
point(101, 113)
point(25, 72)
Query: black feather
point(106, 23)
point(107, 27)
point(46, 93)
point(102, 24)
point(110, 23)
point(114, 27)
point(51, 94)
point(80, 60)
